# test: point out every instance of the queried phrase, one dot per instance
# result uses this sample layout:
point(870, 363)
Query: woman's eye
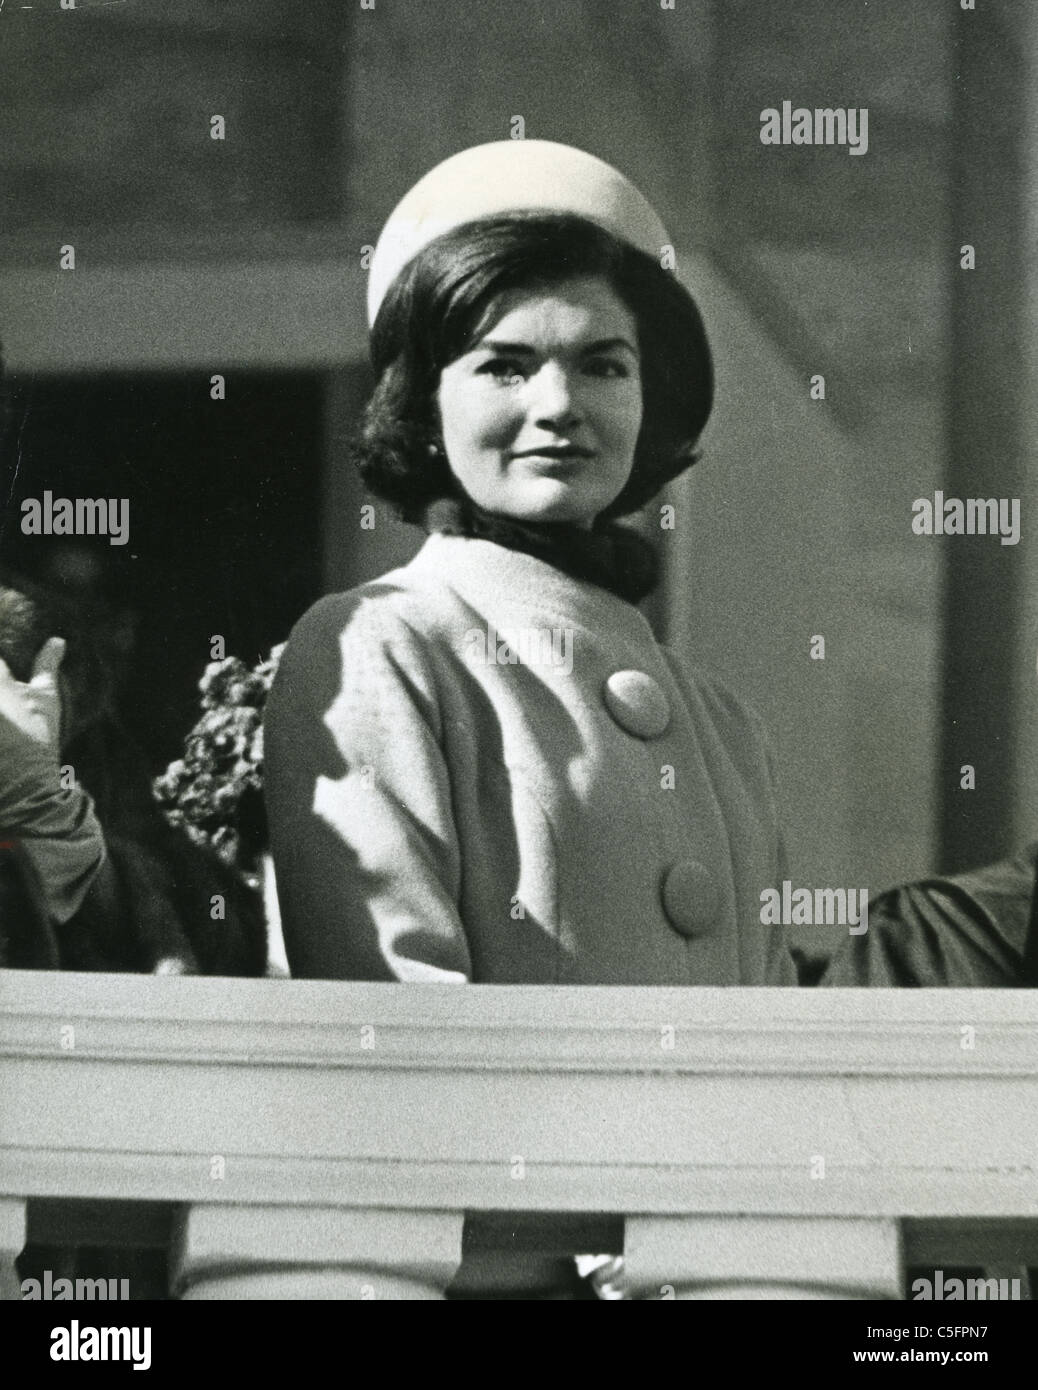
point(502, 369)
point(607, 366)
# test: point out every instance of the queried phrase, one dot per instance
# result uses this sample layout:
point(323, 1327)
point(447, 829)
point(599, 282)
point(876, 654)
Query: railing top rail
point(340, 1024)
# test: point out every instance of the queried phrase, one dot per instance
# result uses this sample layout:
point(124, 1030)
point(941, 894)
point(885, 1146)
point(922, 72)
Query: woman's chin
point(558, 505)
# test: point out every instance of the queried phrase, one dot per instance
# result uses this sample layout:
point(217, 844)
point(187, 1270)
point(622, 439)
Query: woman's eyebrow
point(608, 344)
point(602, 345)
point(493, 345)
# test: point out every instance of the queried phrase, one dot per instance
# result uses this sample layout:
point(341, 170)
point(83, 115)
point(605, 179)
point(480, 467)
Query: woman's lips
point(555, 463)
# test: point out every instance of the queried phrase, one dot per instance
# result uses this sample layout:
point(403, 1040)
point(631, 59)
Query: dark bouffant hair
point(436, 308)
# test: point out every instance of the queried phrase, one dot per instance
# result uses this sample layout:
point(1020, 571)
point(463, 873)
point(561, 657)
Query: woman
point(482, 766)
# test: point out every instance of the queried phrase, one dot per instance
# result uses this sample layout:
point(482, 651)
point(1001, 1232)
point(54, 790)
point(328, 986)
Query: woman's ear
point(434, 428)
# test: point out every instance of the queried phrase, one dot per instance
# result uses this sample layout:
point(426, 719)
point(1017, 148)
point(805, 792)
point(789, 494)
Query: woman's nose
point(554, 401)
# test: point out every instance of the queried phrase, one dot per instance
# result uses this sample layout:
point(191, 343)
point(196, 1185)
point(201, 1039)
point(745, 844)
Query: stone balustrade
point(311, 1139)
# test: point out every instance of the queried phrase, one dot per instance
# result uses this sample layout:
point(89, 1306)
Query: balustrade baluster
point(280, 1252)
point(762, 1257)
point(12, 1239)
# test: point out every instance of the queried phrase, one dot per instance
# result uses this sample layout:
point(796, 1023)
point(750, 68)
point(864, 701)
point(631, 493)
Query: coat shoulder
point(365, 651)
point(380, 608)
point(384, 620)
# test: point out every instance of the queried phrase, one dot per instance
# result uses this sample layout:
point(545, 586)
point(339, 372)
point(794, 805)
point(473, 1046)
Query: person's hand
point(34, 706)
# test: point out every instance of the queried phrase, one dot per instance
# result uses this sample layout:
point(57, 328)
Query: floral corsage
point(215, 791)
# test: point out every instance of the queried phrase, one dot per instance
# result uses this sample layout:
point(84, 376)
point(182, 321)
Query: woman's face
point(541, 416)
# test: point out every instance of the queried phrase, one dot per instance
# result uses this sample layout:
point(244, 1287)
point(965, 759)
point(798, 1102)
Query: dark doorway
point(224, 524)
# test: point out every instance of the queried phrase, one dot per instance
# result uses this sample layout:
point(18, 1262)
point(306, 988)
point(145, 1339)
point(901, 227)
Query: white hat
point(510, 176)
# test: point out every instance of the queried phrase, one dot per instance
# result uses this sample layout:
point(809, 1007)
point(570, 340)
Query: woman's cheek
point(634, 417)
point(621, 430)
point(500, 425)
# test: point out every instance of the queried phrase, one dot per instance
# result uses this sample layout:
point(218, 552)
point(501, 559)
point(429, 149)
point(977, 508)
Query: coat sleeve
point(55, 826)
point(358, 795)
point(965, 930)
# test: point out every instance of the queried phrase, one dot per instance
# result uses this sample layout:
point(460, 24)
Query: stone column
point(1022, 23)
point(991, 421)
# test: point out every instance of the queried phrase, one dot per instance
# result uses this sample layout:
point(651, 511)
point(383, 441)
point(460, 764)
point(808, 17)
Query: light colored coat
point(439, 811)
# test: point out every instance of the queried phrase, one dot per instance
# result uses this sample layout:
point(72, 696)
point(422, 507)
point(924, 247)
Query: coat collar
point(497, 581)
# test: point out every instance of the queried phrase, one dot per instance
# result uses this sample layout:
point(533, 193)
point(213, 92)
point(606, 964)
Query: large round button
point(690, 898)
point(637, 703)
